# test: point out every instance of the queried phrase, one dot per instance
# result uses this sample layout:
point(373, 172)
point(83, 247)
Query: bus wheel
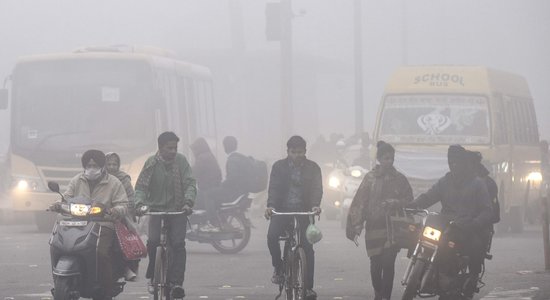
point(44, 220)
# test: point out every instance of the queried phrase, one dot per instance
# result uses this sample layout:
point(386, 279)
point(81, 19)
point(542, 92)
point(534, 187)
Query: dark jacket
point(206, 170)
point(279, 184)
point(367, 208)
point(238, 171)
point(467, 202)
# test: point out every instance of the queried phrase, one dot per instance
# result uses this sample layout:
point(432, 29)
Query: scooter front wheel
point(64, 288)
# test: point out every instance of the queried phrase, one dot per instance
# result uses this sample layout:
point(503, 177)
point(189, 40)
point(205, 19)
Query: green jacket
point(158, 193)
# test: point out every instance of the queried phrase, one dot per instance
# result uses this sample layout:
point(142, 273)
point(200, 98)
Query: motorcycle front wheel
point(237, 224)
point(413, 283)
point(63, 288)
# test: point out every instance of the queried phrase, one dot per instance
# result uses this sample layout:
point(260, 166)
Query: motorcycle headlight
point(79, 210)
point(334, 182)
point(431, 233)
point(27, 184)
point(356, 173)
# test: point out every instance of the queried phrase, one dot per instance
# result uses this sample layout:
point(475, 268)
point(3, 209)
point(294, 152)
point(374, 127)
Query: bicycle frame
point(293, 254)
point(162, 288)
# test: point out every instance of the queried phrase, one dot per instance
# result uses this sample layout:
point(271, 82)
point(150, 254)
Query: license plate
point(73, 223)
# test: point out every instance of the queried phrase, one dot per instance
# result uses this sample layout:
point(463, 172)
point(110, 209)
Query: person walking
point(382, 191)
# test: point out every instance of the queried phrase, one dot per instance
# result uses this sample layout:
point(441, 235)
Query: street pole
point(286, 71)
point(358, 57)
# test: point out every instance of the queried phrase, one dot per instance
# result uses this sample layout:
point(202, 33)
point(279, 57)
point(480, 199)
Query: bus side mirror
point(3, 99)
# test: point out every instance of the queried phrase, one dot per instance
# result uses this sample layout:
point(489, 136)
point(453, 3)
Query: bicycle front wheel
point(159, 278)
point(299, 270)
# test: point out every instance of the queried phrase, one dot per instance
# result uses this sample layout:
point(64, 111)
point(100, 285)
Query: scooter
point(73, 246)
point(234, 232)
point(437, 267)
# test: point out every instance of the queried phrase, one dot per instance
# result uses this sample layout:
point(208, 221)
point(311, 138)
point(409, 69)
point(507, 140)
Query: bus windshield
point(435, 119)
point(79, 103)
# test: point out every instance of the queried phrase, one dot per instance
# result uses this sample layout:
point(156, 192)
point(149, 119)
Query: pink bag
point(130, 243)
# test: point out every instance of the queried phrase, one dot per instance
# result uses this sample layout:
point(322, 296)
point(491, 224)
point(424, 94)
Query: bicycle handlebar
point(417, 211)
point(164, 213)
point(304, 213)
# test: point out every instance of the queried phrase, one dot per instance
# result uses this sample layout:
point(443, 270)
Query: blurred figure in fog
point(206, 170)
point(112, 165)
point(317, 150)
point(364, 160)
point(238, 170)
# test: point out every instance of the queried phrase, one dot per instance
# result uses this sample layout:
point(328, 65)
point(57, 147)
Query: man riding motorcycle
point(104, 189)
point(465, 199)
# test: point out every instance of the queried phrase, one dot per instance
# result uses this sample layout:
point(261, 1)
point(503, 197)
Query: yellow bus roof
point(455, 79)
point(154, 58)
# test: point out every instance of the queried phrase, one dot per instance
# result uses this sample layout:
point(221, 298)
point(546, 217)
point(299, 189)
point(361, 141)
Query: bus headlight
point(27, 184)
point(534, 177)
point(431, 233)
point(334, 182)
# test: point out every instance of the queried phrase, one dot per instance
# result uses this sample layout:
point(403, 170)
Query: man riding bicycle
point(295, 185)
point(165, 185)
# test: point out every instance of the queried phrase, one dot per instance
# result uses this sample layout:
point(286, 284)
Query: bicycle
point(161, 287)
point(294, 259)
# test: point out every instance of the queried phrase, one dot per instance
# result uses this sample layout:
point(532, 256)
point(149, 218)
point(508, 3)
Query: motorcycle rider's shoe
point(151, 287)
point(210, 228)
point(277, 277)
point(129, 275)
point(177, 292)
point(311, 294)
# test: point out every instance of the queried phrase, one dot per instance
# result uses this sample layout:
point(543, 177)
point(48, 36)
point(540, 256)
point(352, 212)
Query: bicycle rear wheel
point(299, 270)
point(159, 279)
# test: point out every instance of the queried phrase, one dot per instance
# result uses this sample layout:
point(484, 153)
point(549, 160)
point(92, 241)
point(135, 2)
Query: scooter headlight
point(431, 233)
point(79, 210)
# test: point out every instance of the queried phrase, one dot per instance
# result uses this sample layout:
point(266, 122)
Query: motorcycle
point(235, 226)
point(353, 177)
point(437, 267)
point(73, 246)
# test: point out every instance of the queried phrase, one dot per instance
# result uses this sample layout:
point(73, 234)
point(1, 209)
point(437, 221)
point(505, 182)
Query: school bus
point(424, 109)
point(115, 98)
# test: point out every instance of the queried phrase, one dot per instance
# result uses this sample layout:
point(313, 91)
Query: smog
point(240, 78)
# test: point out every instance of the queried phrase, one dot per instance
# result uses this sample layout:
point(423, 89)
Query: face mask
point(92, 173)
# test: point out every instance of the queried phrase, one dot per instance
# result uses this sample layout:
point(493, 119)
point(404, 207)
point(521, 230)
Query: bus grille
point(60, 175)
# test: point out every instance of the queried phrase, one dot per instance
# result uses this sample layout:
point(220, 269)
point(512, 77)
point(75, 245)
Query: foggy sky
point(510, 35)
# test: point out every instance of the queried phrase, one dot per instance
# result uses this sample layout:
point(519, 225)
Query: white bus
point(109, 98)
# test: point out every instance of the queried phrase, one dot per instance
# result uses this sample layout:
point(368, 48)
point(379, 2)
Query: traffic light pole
point(358, 49)
point(286, 71)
